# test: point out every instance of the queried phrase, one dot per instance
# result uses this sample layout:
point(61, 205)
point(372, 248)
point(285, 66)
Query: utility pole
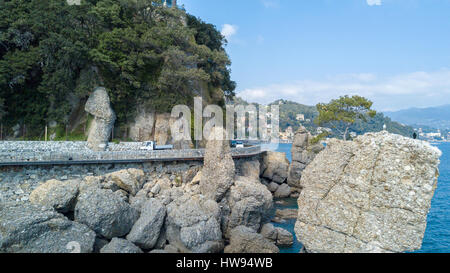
point(45, 132)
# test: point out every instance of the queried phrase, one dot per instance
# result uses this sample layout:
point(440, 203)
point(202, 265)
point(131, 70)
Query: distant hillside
point(289, 111)
point(436, 117)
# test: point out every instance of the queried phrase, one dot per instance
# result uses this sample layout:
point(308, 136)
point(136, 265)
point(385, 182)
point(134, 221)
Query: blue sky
point(395, 52)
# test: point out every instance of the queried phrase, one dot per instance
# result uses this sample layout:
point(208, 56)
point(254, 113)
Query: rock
point(143, 127)
point(246, 240)
point(283, 191)
point(369, 195)
point(156, 189)
point(120, 246)
point(59, 195)
point(250, 169)
point(275, 167)
point(273, 187)
point(105, 213)
point(146, 230)
point(287, 213)
point(248, 203)
point(303, 153)
point(162, 128)
point(158, 251)
point(130, 180)
point(99, 244)
point(29, 228)
point(284, 237)
point(218, 171)
point(269, 232)
point(100, 129)
point(192, 225)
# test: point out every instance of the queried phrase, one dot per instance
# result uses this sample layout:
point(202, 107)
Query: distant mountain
point(435, 117)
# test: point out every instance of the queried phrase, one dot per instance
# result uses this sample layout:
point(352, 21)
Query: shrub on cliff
point(52, 55)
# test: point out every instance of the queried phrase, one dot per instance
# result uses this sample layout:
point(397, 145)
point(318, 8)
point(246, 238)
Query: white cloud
point(229, 30)
point(270, 3)
point(418, 89)
point(374, 2)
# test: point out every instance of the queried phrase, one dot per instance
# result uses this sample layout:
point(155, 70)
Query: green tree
point(342, 113)
point(53, 55)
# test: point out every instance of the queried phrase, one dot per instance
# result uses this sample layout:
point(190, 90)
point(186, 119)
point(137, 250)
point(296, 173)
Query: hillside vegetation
point(289, 111)
point(53, 55)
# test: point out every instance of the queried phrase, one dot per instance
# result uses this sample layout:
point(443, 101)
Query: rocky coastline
point(369, 195)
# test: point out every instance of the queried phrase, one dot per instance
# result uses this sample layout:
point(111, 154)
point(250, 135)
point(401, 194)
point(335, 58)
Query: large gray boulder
point(57, 194)
point(303, 153)
point(120, 246)
point(249, 203)
point(275, 167)
point(218, 170)
point(146, 230)
point(246, 240)
point(192, 225)
point(100, 129)
point(105, 213)
point(369, 195)
point(28, 228)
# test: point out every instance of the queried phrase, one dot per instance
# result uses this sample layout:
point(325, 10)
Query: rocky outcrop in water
point(100, 129)
point(369, 195)
point(303, 153)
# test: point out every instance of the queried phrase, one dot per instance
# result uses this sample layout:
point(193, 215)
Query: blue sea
point(437, 235)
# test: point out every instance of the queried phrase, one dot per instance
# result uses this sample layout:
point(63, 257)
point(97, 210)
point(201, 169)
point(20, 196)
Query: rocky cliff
point(369, 195)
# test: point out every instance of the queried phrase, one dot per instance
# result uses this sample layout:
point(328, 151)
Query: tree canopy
point(52, 55)
point(341, 113)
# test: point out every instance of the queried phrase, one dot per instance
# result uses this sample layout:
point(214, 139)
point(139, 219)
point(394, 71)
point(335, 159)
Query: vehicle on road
point(151, 146)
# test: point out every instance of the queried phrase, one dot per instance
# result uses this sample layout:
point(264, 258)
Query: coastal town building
point(300, 117)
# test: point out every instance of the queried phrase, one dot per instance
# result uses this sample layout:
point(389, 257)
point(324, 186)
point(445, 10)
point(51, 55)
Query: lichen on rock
point(369, 195)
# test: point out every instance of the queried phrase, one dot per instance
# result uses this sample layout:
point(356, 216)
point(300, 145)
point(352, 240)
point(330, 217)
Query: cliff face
point(369, 195)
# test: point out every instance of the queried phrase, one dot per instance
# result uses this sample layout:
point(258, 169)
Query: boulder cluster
point(213, 209)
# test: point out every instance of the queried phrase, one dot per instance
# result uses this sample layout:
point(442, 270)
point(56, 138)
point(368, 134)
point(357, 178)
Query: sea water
point(437, 235)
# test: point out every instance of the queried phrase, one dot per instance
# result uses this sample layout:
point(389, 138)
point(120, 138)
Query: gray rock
point(275, 166)
point(283, 191)
point(249, 204)
point(218, 171)
point(105, 213)
point(192, 225)
point(59, 195)
point(273, 187)
point(120, 246)
point(29, 228)
point(146, 230)
point(250, 168)
point(246, 240)
point(269, 232)
point(303, 153)
point(369, 195)
point(284, 237)
point(99, 106)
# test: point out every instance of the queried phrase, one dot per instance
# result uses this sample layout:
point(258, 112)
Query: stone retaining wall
point(29, 152)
